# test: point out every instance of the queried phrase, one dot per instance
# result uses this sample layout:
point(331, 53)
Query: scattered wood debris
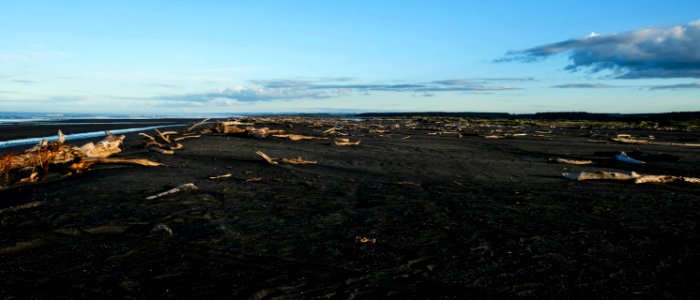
point(195, 125)
point(227, 175)
point(628, 139)
point(365, 240)
point(297, 137)
point(33, 165)
point(230, 127)
point(624, 176)
point(177, 146)
point(287, 161)
point(254, 179)
point(177, 139)
point(570, 161)
point(162, 151)
point(151, 140)
point(85, 164)
point(296, 161)
point(184, 187)
point(104, 148)
point(266, 157)
point(345, 142)
point(34, 177)
point(600, 175)
point(650, 140)
point(164, 136)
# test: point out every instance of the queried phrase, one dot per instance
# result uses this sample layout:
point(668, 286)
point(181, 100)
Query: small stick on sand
point(184, 187)
point(163, 136)
point(266, 157)
point(162, 151)
point(127, 161)
point(287, 161)
point(346, 142)
point(177, 139)
point(571, 161)
point(227, 175)
point(200, 123)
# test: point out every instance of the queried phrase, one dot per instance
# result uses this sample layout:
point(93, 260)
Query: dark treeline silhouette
point(571, 116)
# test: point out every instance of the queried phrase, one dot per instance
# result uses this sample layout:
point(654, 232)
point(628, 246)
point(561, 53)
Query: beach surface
point(410, 212)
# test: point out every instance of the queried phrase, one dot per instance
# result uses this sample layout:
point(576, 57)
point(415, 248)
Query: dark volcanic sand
point(456, 217)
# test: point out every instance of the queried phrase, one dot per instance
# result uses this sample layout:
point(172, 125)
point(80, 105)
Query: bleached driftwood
point(84, 164)
point(628, 139)
point(104, 148)
point(266, 157)
point(295, 161)
point(600, 175)
point(571, 161)
point(230, 127)
point(177, 146)
point(184, 187)
point(52, 153)
point(177, 139)
point(163, 136)
point(297, 137)
point(624, 176)
point(162, 151)
point(195, 125)
point(45, 153)
point(345, 142)
point(151, 140)
point(227, 175)
point(289, 161)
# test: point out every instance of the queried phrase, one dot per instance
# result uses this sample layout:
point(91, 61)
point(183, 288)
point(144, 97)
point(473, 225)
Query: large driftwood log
point(104, 148)
point(46, 153)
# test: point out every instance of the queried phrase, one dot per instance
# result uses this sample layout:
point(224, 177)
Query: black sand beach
point(405, 214)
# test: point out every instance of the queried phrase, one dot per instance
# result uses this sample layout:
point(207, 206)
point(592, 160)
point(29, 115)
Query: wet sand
point(456, 217)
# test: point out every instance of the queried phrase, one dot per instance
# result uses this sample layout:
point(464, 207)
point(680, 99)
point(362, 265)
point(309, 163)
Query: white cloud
point(656, 52)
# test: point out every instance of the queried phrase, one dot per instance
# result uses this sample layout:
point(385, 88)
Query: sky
point(196, 57)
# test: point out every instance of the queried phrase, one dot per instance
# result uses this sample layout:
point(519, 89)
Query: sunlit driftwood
point(184, 187)
point(288, 161)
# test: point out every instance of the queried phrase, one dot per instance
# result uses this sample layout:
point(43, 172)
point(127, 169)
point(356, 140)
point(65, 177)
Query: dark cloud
point(681, 86)
point(657, 52)
point(585, 86)
point(287, 89)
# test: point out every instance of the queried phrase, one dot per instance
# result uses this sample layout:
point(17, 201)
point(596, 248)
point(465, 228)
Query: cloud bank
point(585, 86)
point(287, 89)
point(656, 52)
point(680, 86)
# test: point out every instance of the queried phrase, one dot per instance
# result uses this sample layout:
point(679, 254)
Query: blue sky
point(196, 57)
